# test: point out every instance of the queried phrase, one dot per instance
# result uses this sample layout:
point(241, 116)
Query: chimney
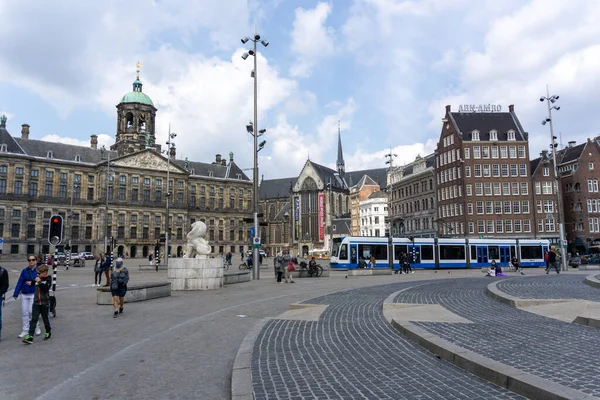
point(24, 131)
point(218, 159)
point(448, 108)
point(172, 153)
point(511, 108)
point(94, 141)
point(224, 162)
point(544, 155)
point(572, 143)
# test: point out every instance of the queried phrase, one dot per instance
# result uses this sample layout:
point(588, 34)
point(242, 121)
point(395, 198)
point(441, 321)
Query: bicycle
point(315, 271)
point(244, 266)
point(225, 267)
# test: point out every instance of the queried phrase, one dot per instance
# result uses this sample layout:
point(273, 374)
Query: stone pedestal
point(195, 273)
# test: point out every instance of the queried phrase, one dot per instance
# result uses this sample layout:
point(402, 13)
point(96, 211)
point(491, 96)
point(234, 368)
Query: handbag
point(291, 267)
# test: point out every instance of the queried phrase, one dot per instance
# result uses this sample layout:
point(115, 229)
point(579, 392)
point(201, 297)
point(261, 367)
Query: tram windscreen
point(335, 246)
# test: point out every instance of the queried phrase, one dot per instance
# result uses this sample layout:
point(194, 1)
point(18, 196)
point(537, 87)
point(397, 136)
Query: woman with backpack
point(118, 286)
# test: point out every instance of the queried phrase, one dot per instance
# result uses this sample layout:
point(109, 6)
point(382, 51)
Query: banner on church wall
point(296, 217)
point(321, 216)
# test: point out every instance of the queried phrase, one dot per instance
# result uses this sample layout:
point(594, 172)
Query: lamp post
point(103, 151)
point(254, 74)
point(550, 100)
point(70, 224)
point(390, 162)
point(169, 144)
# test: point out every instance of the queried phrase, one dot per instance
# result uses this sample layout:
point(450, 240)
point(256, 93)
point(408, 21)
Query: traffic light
point(55, 233)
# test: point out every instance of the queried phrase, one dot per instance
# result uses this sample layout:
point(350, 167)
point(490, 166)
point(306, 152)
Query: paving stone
point(352, 352)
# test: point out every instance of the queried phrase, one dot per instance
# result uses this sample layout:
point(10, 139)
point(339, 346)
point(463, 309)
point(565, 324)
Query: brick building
point(482, 175)
point(579, 174)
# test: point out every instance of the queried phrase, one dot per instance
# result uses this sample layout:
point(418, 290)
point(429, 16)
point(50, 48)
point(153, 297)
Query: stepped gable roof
point(63, 151)
point(12, 146)
point(378, 194)
point(502, 122)
point(570, 154)
point(229, 171)
point(379, 175)
point(275, 188)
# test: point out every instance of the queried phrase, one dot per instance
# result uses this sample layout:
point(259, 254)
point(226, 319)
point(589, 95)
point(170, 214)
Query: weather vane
point(138, 65)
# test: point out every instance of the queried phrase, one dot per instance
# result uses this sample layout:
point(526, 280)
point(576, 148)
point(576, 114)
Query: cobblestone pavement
point(353, 353)
point(561, 352)
point(550, 287)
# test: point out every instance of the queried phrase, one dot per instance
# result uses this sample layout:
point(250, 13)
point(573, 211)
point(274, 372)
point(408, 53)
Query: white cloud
point(312, 40)
point(405, 155)
point(103, 140)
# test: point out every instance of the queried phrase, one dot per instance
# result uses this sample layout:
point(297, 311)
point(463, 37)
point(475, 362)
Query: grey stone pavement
point(184, 346)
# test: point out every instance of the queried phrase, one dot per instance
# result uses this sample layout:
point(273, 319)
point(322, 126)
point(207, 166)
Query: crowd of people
point(34, 289)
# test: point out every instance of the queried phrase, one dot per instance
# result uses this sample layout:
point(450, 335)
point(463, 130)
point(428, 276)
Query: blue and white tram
point(429, 253)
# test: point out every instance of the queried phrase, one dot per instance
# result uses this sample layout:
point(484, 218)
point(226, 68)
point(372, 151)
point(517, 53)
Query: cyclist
point(249, 261)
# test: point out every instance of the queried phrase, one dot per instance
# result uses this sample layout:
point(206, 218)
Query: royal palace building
point(118, 193)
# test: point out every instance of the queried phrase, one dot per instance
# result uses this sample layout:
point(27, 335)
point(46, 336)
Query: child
point(41, 301)
point(491, 271)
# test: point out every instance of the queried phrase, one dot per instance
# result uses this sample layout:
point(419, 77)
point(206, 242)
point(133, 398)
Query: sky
point(385, 69)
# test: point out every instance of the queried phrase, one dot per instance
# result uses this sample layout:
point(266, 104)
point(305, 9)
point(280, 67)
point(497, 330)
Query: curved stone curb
point(241, 375)
point(592, 280)
point(515, 380)
point(517, 302)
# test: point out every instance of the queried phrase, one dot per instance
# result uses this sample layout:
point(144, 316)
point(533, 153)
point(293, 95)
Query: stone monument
point(196, 270)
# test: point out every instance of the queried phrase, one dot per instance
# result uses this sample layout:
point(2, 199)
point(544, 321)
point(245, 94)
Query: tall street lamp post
point(167, 225)
point(103, 152)
point(550, 100)
point(389, 225)
point(256, 133)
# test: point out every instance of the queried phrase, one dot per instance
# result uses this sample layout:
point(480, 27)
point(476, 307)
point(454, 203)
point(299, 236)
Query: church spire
point(341, 167)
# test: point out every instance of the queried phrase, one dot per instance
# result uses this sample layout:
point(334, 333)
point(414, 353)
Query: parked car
point(574, 262)
point(87, 255)
point(59, 257)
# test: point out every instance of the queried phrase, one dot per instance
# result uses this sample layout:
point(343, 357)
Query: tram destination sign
point(468, 108)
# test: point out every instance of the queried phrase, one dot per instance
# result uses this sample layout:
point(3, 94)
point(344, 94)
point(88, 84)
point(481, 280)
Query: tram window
point(427, 252)
point(530, 252)
point(452, 252)
point(343, 252)
point(399, 249)
point(473, 253)
point(493, 253)
point(379, 251)
point(512, 251)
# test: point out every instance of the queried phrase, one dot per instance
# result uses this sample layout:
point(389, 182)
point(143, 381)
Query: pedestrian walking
point(279, 267)
point(98, 271)
point(150, 258)
point(372, 261)
point(547, 259)
point(552, 262)
point(118, 286)
point(41, 302)
point(26, 288)
point(4, 283)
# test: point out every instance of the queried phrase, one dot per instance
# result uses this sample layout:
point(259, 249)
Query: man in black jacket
point(3, 290)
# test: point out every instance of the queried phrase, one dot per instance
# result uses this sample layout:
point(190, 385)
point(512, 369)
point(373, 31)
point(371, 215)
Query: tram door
point(353, 255)
point(504, 254)
point(482, 254)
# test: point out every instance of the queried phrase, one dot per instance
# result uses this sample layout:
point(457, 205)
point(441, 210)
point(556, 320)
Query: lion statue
point(197, 246)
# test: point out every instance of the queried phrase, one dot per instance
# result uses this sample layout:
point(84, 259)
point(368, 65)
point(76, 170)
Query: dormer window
point(50, 154)
point(238, 176)
point(192, 172)
point(475, 135)
point(493, 135)
point(210, 174)
point(511, 135)
point(77, 158)
point(3, 148)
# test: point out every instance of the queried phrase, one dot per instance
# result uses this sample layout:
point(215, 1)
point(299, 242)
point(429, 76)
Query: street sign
point(252, 231)
point(1, 243)
point(565, 243)
point(256, 242)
